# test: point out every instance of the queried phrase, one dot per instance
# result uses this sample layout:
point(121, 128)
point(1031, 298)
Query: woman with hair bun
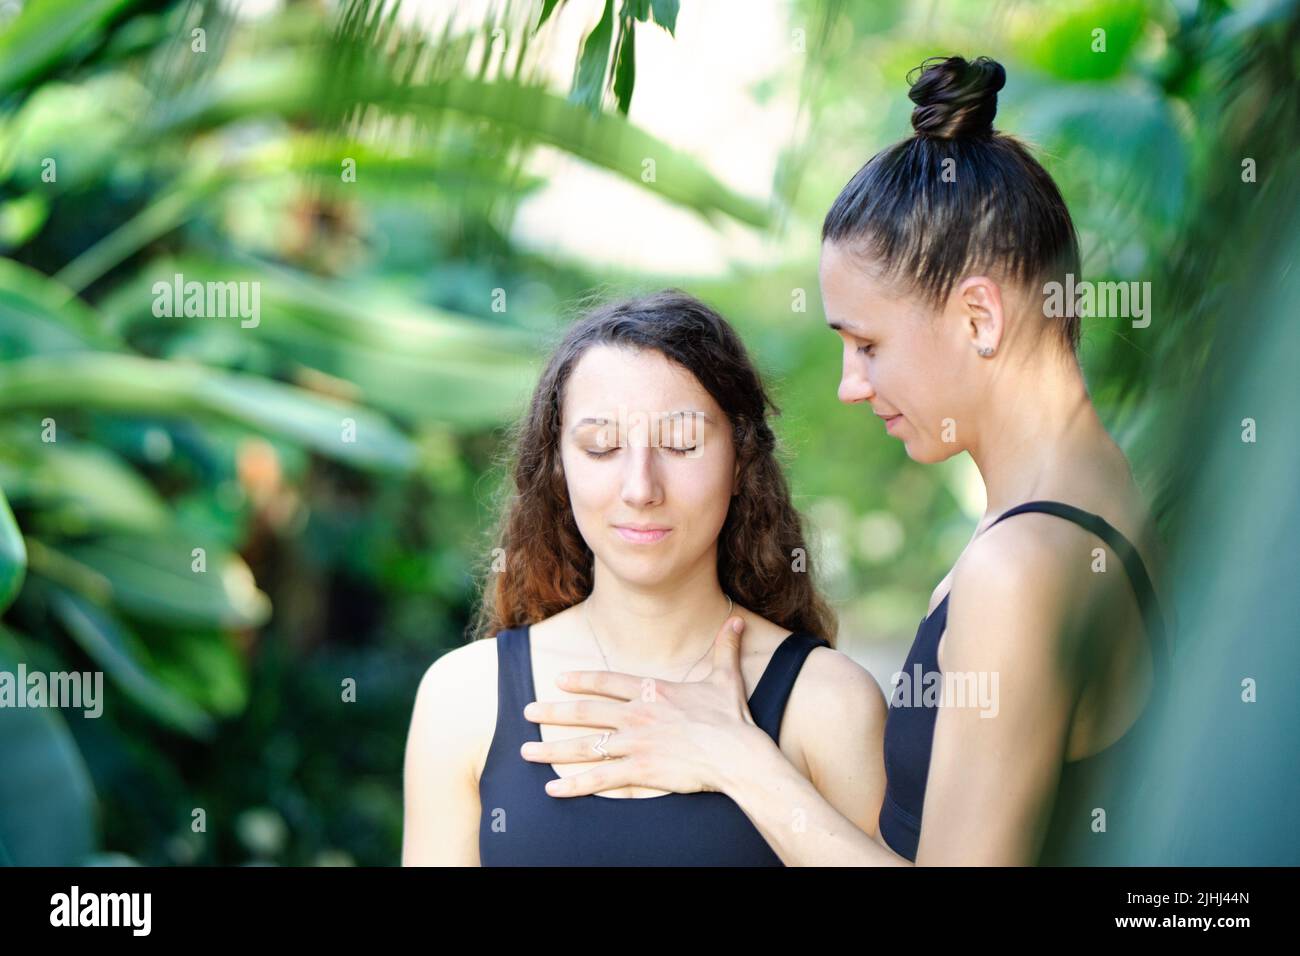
point(935, 262)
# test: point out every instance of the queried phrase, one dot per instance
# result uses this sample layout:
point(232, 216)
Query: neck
point(656, 628)
point(1034, 420)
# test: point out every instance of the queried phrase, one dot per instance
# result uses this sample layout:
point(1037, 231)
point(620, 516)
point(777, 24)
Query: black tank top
point(1092, 782)
point(522, 825)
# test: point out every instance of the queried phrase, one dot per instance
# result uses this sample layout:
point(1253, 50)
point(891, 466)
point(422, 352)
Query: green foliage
point(169, 477)
point(13, 555)
point(589, 78)
point(336, 463)
point(46, 795)
point(47, 36)
point(1080, 41)
point(593, 65)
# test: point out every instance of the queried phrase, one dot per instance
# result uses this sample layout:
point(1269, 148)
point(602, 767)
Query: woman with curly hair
point(648, 507)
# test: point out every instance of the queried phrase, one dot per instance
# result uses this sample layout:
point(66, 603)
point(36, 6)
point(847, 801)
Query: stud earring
point(985, 350)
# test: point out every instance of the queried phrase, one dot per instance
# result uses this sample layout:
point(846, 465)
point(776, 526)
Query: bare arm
point(991, 781)
point(773, 794)
point(441, 802)
point(835, 718)
point(994, 769)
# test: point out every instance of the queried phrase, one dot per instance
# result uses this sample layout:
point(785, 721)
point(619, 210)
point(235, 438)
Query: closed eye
point(668, 448)
point(865, 349)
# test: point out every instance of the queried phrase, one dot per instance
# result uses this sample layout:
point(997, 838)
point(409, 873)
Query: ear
point(980, 300)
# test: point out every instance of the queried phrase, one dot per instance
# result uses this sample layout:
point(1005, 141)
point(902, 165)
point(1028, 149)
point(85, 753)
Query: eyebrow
point(582, 422)
point(839, 326)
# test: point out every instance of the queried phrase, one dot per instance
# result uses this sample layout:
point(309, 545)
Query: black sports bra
point(909, 725)
point(522, 825)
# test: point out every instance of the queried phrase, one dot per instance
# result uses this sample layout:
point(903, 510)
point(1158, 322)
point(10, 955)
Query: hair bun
point(956, 99)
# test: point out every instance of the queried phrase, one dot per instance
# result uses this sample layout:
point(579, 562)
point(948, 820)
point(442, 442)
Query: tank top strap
point(1129, 557)
point(767, 703)
point(514, 682)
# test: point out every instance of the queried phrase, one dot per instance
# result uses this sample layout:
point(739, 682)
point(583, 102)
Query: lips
point(890, 421)
point(647, 534)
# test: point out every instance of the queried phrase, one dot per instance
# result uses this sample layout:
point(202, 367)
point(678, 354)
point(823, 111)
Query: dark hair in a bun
point(954, 98)
point(958, 197)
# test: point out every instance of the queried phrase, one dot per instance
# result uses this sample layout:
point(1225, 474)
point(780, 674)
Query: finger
point(609, 775)
point(574, 749)
point(604, 683)
point(577, 713)
point(726, 648)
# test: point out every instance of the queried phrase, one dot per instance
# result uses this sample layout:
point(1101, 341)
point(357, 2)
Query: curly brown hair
point(763, 558)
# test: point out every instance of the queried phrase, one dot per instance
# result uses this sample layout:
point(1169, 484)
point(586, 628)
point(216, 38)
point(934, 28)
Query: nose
point(641, 485)
point(855, 385)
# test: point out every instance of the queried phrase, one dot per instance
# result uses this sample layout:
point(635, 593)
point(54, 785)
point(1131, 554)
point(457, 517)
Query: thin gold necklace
point(587, 616)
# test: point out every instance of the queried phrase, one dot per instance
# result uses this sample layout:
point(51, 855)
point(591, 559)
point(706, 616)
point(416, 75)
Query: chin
point(931, 453)
point(645, 573)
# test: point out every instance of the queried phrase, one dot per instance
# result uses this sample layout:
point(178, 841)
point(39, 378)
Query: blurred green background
point(425, 194)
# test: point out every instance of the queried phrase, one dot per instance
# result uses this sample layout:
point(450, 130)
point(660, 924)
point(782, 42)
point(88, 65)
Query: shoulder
point(1037, 559)
point(829, 683)
point(455, 704)
point(1015, 590)
point(833, 691)
point(837, 683)
point(460, 672)
point(827, 678)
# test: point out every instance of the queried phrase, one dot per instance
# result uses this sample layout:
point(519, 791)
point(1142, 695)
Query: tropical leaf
point(37, 314)
point(77, 489)
point(118, 652)
point(47, 801)
point(625, 65)
point(665, 13)
point(403, 357)
point(593, 61)
point(162, 215)
point(1079, 39)
point(13, 555)
point(153, 579)
point(207, 668)
point(1134, 145)
point(548, 7)
point(136, 385)
point(45, 35)
point(284, 86)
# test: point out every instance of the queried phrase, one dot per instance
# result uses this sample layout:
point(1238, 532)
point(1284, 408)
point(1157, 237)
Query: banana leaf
point(136, 385)
point(291, 88)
